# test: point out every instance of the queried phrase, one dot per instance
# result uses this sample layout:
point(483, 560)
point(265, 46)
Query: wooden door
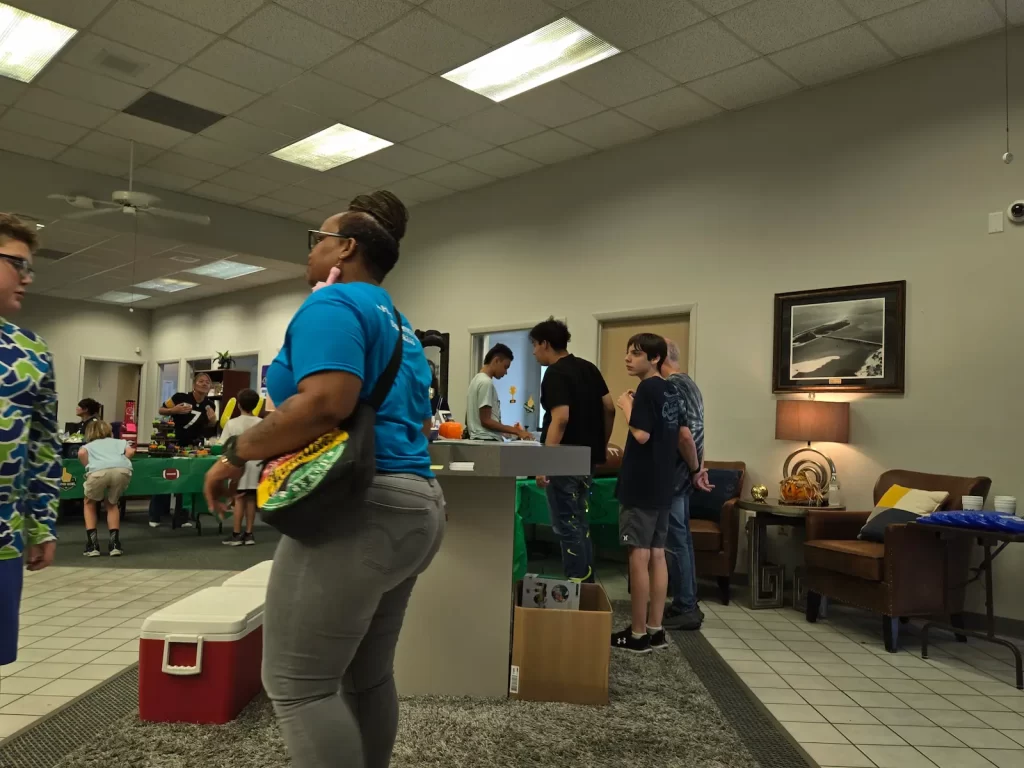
point(612, 348)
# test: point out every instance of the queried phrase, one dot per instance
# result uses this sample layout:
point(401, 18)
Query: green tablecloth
point(150, 477)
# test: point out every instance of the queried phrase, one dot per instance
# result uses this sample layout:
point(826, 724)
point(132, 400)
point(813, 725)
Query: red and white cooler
point(258, 576)
point(199, 659)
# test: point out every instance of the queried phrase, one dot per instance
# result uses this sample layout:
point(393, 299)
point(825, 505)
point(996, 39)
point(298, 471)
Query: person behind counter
point(192, 412)
point(108, 471)
point(87, 411)
point(483, 408)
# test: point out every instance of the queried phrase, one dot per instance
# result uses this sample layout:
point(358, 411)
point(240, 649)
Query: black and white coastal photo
point(838, 340)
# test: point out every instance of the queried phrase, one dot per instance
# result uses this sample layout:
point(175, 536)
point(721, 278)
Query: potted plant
point(225, 360)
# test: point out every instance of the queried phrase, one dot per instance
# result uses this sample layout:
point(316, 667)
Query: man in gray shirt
point(483, 408)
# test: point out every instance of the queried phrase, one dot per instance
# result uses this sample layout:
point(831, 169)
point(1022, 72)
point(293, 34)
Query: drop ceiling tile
point(29, 145)
point(89, 161)
point(1016, 8)
point(278, 170)
point(553, 104)
point(208, 150)
point(458, 177)
point(696, 52)
point(619, 80)
point(333, 186)
point(219, 16)
point(406, 160)
point(627, 25)
point(324, 97)
point(80, 84)
point(390, 122)
point(78, 14)
point(497, 125)
point(440, 100)
point(359, 18)
point(427, 43)
point(290, 37)
point(566, 4)
point(146, 131)
point(496, 21)
point(276, 207)
point(172, 162)
point(10, 90)
point(606, 130)
point(30, 124)
point(49, 104)
point(842, 53)
point(316, 217)
point(549, 147)
point(119, 148)
point(251, 137)
point(935, 23)
point(416, 190)
point(297, 123)
point(202, 90)
point(367, 173)
point(246, 182)
point(370, 71)
point(448, 143)
point(157, 33)
point(744, 85)
point(110, 58)
point(164, 180)
point(244, 66)
point(670, 109)
point(220, 193)
point(771, 25)
point(867, 9)
point(300, 195)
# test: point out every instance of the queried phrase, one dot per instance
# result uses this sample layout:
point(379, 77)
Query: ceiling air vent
point(185, 259)
point(108, 60)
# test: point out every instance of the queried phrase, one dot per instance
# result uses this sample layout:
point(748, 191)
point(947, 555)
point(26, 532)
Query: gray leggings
point(333, 614)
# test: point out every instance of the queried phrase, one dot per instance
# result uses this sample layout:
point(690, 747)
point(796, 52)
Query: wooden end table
point(767, 581)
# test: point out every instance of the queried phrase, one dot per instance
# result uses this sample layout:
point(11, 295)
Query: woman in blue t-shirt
point(335, 607)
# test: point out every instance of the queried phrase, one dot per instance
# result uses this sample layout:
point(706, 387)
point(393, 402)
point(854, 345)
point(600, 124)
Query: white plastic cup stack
point(973, 503)
point(1006, 505)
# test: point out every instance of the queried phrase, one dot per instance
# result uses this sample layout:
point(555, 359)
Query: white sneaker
point(153, 525)
point(188, 524)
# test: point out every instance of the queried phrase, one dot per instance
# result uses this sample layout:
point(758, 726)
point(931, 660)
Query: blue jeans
point(682, 570)
point(568, 499)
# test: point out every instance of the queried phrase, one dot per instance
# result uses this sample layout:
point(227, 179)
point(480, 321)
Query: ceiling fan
point(127, 201)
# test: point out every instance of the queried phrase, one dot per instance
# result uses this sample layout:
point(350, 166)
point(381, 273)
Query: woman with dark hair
point(335, 605)
point(88, 411)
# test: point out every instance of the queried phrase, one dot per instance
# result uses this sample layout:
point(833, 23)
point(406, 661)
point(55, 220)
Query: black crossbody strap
point(387, 378)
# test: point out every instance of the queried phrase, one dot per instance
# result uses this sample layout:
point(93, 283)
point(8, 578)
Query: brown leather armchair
point(910, 574)
point(714, 544)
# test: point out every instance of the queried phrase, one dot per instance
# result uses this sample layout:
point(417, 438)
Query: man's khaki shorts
point(107, 485)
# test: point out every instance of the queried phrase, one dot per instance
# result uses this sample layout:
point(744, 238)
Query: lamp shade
point(812, 421)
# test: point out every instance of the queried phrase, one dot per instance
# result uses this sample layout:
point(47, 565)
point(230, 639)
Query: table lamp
point(813, 421)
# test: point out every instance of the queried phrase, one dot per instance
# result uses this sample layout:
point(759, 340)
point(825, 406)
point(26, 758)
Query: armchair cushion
point(708, 505)
point(860, 559)
point(707, 536)
point(900, 505)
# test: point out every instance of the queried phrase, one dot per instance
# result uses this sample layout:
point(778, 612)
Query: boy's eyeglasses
point(25, 270)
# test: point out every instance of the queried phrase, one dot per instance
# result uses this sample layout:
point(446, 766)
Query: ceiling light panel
point(166, 284)
point(28, 42)
point(542, 56)
point(225, 270)
point(121, 297)
point(331, 147)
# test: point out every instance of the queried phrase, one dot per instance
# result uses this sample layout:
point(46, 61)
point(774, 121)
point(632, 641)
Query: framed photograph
point(848, 339)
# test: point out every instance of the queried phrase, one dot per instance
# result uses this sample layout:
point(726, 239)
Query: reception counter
point(457, 635)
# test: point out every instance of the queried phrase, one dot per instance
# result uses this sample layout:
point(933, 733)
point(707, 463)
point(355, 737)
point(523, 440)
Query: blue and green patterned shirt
point(30, 465)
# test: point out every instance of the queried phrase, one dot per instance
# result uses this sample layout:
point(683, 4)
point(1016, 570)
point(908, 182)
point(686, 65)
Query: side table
point(767, 581)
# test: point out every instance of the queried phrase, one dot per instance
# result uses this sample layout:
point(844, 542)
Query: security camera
point(1016, 212)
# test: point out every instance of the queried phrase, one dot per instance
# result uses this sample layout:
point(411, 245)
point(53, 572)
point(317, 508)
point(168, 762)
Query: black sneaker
point(659, 640)
point(92, 547)
point(248, 539)
point(115, 545)
point(234, 540)
point(625, 641)
point(685, 620)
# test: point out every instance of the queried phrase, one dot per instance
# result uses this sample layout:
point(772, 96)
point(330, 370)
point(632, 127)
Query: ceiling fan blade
point(90, 214)
point(192, 218)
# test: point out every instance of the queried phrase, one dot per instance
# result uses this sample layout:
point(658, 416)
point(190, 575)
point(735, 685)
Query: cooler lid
point(258, 575)
point(212, 611)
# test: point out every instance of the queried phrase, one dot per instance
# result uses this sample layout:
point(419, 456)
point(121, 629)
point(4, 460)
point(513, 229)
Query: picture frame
point(846, 339)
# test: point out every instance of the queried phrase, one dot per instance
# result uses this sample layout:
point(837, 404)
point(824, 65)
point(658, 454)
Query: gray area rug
point(661, 715)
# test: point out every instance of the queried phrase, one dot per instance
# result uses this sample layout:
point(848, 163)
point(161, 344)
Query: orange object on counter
point(450, 430)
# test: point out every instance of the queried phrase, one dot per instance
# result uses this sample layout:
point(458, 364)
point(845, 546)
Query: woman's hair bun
point(386, 208)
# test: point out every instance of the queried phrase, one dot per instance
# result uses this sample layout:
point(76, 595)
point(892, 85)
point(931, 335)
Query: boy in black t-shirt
point(644, 490)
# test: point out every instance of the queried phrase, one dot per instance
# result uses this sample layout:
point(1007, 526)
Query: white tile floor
point(850, 704)
point(79, 627)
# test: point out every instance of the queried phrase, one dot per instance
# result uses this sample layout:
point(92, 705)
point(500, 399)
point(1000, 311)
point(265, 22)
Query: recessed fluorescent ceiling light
point(551, 52)
point(330, 148)
point(225, 270)
point(121, 297)
point(166, 284)
point(28, 42)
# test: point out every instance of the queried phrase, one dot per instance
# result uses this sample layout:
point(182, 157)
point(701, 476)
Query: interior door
point(614, 335)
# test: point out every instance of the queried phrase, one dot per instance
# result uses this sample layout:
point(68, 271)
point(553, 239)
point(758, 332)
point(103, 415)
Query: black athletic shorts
point(643, 528)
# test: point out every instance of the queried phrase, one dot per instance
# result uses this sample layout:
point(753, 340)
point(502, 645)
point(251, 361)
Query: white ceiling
point(284, 69)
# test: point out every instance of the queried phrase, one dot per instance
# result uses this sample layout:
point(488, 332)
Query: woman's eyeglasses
point(317, 236)
point(25, 270)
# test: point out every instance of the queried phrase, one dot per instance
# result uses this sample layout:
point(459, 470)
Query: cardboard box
point(562, 655)
point(550, 592)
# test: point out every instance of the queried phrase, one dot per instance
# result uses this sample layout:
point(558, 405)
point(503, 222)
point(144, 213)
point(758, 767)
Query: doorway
point(116, 385)
point(612, 350)
point(168, 384)
point(519, 390)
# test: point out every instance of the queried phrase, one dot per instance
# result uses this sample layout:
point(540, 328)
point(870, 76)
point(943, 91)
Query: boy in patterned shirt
point(30, 463)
